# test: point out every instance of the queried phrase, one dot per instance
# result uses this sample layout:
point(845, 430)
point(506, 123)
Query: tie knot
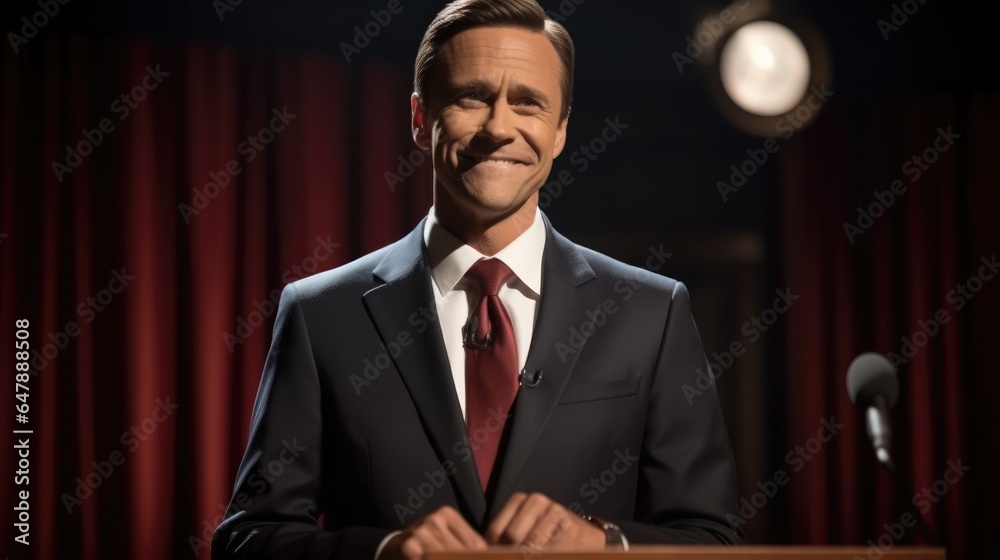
point(488, 275)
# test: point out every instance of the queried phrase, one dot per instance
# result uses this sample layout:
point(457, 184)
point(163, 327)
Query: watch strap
point(613, 537)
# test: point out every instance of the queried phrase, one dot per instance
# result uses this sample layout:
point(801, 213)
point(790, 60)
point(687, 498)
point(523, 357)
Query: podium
point(703, 553)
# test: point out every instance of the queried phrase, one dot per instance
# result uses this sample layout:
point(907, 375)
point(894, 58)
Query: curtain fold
point(148, 256)
point(220, 176)
point(876, 269)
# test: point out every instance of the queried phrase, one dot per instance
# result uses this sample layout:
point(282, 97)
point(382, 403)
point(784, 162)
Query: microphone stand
point(902, 488)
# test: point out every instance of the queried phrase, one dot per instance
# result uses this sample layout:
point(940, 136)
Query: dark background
point(654, 188)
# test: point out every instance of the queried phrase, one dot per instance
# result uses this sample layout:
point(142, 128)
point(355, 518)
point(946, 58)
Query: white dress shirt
point(450, 259)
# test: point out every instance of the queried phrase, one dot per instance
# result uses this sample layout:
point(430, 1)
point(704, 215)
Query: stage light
point(765, 68)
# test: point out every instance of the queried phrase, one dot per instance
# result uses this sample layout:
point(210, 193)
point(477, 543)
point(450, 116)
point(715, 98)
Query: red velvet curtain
point(888, 283)
point(150, 272)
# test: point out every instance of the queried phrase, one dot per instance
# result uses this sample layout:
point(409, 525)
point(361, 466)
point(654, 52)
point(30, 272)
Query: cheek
point(442, 144)
point(451, 131)
point(458, 123)
point(541, 138)
point(538, 127)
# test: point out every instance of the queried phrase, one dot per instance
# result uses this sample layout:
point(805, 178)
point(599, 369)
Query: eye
point(528, 102)
point(471, 99)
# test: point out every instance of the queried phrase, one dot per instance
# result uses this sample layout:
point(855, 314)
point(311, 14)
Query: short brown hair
point(462, 15)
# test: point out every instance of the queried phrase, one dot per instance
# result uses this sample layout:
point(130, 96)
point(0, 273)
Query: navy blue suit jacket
point(357, 419)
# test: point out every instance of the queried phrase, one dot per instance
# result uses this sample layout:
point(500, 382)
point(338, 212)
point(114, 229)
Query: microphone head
point(871, 374)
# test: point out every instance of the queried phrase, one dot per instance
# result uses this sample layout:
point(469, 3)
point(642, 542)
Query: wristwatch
point(613, 537)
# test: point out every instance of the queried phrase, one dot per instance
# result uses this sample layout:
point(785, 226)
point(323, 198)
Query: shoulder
point(608, 267)
point(350, 281)
point(355, 273)
point(611, 273)
point(343, 283)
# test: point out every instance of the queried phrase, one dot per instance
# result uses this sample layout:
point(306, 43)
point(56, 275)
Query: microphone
point(873, 386)
point(471, 328)
point(530, 379)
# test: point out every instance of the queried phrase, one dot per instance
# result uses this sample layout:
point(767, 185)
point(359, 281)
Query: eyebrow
point(516, 88)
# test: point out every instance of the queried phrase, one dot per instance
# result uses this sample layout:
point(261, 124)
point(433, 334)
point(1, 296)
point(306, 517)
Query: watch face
point(612, 532)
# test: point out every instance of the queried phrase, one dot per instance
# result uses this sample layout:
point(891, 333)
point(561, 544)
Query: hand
point(443, 530)
point(537, 522)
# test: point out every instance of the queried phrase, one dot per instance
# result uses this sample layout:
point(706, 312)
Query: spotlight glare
point(765, 68)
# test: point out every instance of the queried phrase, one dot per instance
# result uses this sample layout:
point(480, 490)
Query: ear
point(560, 140)
point(419, 123)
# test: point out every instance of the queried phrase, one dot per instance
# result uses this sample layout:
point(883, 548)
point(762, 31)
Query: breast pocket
point(601, 390)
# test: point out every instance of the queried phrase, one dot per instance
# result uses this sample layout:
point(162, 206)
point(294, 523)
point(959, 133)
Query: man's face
point(492, 121)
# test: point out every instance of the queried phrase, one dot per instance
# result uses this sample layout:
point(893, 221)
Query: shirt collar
point(451, 258)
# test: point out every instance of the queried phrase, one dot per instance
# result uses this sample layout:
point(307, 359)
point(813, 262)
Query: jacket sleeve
point(277, 496)
point(687, 478)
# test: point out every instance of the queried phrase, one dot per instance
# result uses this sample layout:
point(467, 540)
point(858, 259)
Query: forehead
point(495, 53)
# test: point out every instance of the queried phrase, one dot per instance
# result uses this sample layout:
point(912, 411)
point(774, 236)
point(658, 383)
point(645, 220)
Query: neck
point(488, 236)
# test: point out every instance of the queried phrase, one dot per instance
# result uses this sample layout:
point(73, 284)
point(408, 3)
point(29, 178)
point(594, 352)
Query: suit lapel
point(564, 270)
point(423, 366)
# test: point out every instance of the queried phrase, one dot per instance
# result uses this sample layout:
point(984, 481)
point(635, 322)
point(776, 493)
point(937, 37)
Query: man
point(483, 381)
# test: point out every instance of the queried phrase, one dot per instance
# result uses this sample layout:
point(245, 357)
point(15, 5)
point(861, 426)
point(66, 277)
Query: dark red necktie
point(490, 366)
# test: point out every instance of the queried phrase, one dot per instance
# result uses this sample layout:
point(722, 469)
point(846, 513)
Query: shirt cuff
point(385, 541)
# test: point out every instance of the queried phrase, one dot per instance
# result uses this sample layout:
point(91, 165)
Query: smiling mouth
point(490, 160)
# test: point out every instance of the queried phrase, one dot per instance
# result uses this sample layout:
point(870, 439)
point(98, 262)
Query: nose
point(499, 124)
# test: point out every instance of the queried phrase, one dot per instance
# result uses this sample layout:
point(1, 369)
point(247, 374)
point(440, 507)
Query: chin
point(495, 196)
point(490, 206)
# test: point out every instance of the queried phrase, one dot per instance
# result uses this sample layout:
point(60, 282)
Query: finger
point(524, 520)
point(411, 549)
point(428, 536)
point(460, 530)
point(549, 527)
point(499, 525)
point(446, 526)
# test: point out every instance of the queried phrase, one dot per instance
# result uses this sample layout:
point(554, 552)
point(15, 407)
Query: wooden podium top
point(706, 553)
